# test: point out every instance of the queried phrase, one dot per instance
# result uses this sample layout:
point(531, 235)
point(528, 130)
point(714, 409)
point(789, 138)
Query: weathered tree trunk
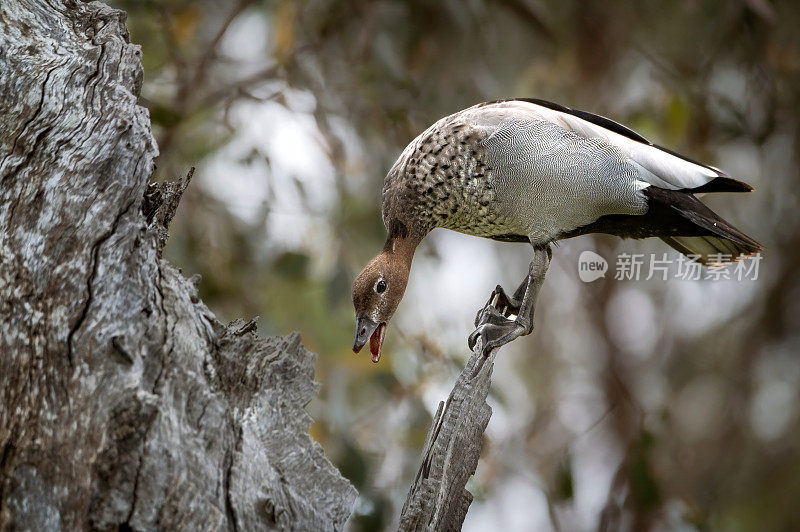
point(438, 499)
point(123, 401)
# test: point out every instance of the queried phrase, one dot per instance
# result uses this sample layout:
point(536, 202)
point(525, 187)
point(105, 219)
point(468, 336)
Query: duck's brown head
point(378, 290)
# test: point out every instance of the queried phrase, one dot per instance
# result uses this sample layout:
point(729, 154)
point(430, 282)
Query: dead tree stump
point(123, 401)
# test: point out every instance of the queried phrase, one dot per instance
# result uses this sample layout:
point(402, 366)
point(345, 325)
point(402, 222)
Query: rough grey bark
point(438, 499)
point(123, 401)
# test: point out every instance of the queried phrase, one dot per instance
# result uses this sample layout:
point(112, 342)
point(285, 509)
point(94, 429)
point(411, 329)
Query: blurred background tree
point(634, 405)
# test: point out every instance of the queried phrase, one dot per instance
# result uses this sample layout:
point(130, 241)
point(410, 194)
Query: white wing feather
point(658, 167)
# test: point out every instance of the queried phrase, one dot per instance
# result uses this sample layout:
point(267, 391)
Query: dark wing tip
point(722, 184)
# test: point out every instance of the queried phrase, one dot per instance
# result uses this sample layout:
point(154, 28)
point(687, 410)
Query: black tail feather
point(714, 240)
point(682, 221)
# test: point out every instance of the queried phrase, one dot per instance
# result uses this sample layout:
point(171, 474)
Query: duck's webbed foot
point(493, 322)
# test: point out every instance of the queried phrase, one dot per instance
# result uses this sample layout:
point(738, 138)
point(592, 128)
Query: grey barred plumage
point(554, 180)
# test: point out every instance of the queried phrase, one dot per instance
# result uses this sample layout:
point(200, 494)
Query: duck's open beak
point(366, 329)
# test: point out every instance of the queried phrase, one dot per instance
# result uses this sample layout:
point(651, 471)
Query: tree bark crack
point(90, 280)
point(229, 509)
point(5, 458)
point(169, 330)
point(25, 125)
point(137, 476)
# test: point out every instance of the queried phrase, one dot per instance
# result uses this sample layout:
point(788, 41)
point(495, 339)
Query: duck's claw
point(489, 314)
point(506, 304)
point(486, 311)
point(496, 332)
point(493, 323)
point(495, 328)
point(499, 303)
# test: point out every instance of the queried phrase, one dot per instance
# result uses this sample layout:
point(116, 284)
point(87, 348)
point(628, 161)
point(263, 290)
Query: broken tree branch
point(438, 498)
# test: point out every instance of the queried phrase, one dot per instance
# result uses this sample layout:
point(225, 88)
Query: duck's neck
point(401, 249)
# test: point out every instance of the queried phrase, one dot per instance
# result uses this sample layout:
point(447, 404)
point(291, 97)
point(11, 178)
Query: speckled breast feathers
point(442, 179)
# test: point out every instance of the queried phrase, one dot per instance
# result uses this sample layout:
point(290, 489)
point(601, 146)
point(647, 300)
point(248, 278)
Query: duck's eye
point(380, 286)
